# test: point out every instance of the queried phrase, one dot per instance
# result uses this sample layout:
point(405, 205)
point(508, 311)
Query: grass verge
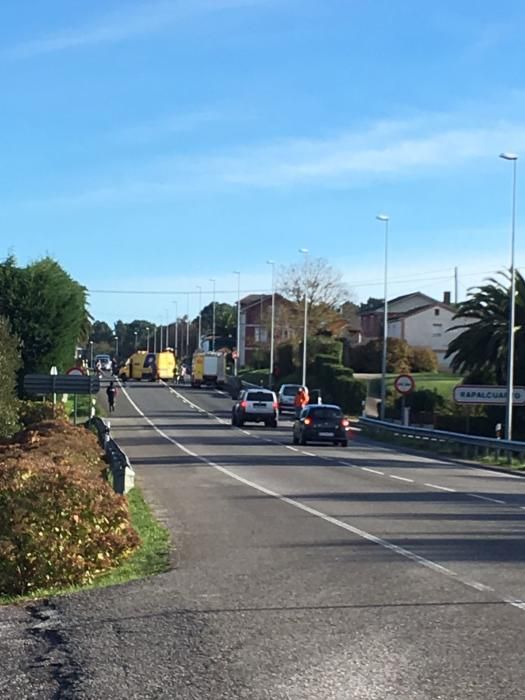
point(152, 557)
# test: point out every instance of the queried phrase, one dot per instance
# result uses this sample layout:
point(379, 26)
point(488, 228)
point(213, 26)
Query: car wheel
point(234, 421)
point(240, 422)
point(302, 440)
point(295, 440)
point(273, 423)
point(344, 443)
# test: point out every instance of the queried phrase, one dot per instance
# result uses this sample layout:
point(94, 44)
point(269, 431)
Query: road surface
point(315, 572)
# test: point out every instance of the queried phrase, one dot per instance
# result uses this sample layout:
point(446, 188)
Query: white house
point(420, 320)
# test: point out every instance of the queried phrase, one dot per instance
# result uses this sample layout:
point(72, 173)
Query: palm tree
point(482, 347)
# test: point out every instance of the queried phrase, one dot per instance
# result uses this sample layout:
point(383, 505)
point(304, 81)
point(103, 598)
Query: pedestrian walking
point(111, 393)
point(301, 400)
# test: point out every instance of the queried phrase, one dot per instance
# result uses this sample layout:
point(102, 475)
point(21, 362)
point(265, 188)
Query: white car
point(286, 397)
point(255, 406)
point(105, 362)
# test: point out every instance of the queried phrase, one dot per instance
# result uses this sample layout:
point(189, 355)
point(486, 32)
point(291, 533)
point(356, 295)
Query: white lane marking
point(289, 447)
point(486, 498)
point(246, 432)
point(363, 534)
point(441, 488)
point(401, 478)
point(372, 471)
point(309, 454)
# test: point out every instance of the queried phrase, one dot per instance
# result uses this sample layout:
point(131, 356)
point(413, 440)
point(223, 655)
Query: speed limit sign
point(404, 384)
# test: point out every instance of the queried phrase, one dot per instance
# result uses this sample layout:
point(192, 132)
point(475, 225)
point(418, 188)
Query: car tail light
point(244, 404)
point(308, 421)
point(345, 423)
point(275, 404)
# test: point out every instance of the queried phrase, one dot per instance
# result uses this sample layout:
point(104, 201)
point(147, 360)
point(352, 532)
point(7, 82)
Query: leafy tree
point(47, 310)
point(225, 319)
point(325, 291)
point(9, 364)
point(482, 346)
point(371, 304)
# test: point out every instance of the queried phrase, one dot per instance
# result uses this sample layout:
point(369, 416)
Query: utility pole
point(455, 285)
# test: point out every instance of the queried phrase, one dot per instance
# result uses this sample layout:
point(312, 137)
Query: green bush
point(323, 345)
point(349, 394)
point(285, 359)
point(423, 401)
point(423, 360)
point(61, 523)
point(9, 365)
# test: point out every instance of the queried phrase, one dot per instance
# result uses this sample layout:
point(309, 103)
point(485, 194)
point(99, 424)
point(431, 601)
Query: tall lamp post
point(512, 312)
point(385, 219)
point(154, 338)
point(238, 341)
point(213, 318)
point(200, 317)
point(147, 338)
point(91, 353)
point(188, 324)
point(135, 333)
point(272, 325)
point(304, 251)
point(176, 328)
point(116, 347)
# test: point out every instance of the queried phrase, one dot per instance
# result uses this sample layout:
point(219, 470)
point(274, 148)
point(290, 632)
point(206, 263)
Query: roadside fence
point(123, 475)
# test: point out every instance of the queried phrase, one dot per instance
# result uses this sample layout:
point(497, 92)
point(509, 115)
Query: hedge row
point(61, 523)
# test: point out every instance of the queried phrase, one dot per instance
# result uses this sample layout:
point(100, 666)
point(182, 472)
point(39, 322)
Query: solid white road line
point(486, 498)
point(358, 532)
point(372, 471)
point(441, 488)
point(401, 478)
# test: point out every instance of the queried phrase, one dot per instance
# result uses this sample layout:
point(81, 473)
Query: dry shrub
point(60, 523)
point(31, 412)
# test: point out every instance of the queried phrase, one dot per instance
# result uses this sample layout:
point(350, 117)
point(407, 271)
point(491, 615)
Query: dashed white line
point(363, 534)
point(486, 498)
point(289, 447)
point(401, 478)
point(441, 488)
point(372, 471)
point(309, 454)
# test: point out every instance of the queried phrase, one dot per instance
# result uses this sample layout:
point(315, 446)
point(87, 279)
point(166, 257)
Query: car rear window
point(325, 413)
point(259, 396)
point(290, 390)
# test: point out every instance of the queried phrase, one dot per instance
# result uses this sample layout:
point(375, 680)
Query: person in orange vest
point(301, 400)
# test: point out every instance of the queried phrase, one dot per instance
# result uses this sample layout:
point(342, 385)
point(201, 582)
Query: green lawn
point(439, 381)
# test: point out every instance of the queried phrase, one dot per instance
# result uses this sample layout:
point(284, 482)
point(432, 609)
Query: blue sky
point(155, 145)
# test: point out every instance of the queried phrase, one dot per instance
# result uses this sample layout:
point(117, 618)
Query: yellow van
point(140, 364)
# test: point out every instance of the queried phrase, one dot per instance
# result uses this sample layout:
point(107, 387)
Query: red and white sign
point(404, 384)
point(75, 372)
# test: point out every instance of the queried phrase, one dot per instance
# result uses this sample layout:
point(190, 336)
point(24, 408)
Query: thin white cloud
point(388, 150)
point(135, 21)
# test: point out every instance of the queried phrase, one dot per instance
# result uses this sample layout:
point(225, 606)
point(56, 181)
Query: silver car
point(286, 399)
point(255, 406)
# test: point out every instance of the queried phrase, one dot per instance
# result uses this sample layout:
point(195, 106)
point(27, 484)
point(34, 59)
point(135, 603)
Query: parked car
point(105, 362)
point(255, 406)
point(286, 397)
point(321, 423)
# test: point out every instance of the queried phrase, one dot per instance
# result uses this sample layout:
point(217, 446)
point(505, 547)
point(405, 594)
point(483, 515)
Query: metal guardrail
point(119, 464)
point(469, 446)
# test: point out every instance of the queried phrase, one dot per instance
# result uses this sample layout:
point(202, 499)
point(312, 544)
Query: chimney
point(446, 298)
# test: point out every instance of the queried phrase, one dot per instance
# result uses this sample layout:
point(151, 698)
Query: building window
point(261, 335)
point(437, 330)
point(436, 312)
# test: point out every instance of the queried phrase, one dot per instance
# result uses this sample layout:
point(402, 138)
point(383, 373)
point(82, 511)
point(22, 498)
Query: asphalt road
point(314, 572)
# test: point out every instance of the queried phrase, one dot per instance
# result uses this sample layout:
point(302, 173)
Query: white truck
point(208, 368)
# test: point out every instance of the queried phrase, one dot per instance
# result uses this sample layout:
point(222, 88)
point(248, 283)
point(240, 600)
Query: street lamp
point(115, 338)
point(512, 313)
point(238, 343)
point(304, 251)
point(91, 353)
point(272, 327)
point(147, 337)
point(187, 324)
point(176, 328)
point(385, 219)
point(154, 338)
point(213, 318)
point(135, 333)
point(200, 316)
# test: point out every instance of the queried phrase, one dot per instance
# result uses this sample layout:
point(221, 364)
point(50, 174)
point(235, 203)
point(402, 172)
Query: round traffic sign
point(404, 383)
point(75, 371)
